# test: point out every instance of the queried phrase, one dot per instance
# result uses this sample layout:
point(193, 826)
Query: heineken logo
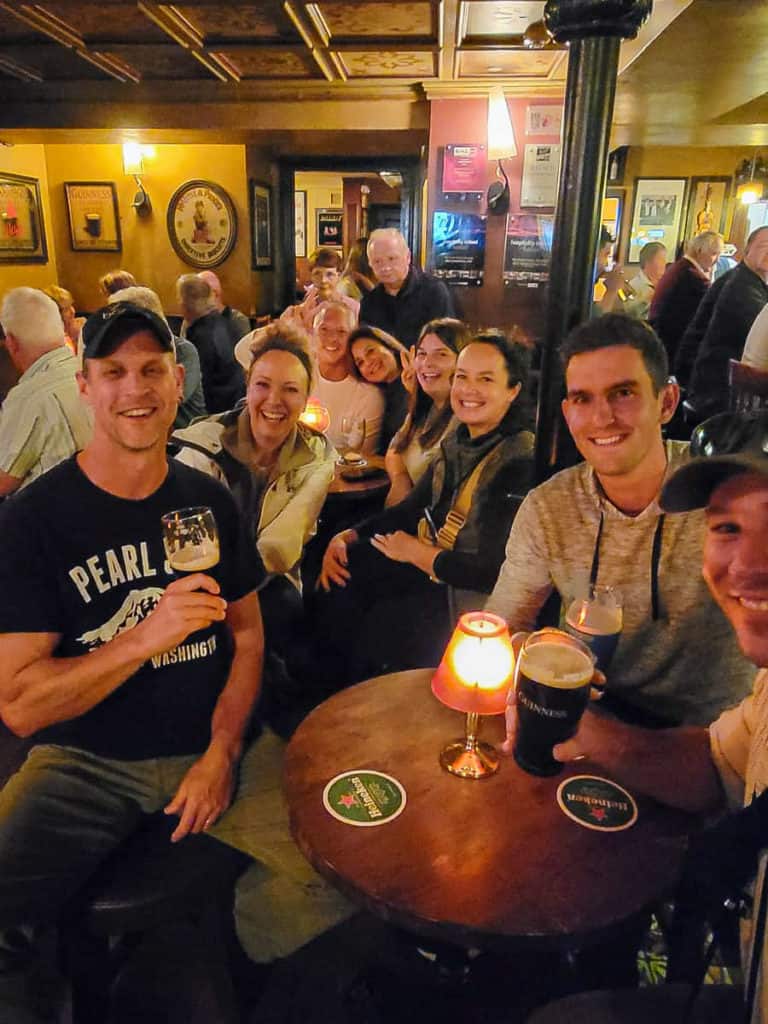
point(597, 803)
point(364, 797)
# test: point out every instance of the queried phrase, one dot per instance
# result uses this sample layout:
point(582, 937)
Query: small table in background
point(353, 490)
point(492, 863)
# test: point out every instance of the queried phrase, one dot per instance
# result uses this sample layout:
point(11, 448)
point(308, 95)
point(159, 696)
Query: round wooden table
point(493, 863)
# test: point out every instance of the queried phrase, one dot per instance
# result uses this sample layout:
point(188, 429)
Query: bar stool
point(145, 883)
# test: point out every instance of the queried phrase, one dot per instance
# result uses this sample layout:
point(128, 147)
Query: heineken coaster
point(597, 803)
point(364, 797)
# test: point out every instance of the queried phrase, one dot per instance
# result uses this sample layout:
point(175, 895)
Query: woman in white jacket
point(278, 469)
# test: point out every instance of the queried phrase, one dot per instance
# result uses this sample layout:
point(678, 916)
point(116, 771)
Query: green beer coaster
point(364, 797)
point(597, 803)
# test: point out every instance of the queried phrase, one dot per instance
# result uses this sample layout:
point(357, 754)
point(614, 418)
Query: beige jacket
point(294, 493)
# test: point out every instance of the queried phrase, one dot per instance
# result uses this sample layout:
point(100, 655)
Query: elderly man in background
point(741, 299)
point(43, 419)
point(653, 263)
point(238, 323)
point(405, 298)
point(223, 379)
point(192, 404)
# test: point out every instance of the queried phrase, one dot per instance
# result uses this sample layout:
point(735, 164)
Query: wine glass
point(353, 435)
point(191, 539)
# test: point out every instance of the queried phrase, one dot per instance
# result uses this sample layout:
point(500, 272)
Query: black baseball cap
point(723, 446)
point(104, 325)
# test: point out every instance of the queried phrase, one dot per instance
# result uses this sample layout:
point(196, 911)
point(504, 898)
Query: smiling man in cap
point(137, 685)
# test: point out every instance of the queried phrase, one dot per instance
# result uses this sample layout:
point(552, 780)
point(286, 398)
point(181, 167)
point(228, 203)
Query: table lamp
point(474, 676)
point(315, 416)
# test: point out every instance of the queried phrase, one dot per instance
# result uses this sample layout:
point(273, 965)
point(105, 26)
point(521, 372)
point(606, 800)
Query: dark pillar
point(594, 30)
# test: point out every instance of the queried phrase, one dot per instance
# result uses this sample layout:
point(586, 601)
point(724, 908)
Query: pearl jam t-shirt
point(86, 565)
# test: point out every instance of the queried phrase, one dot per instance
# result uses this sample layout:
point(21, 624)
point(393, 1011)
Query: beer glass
point(353, 436)
point(191, 539)
point(552, 681)
point(596, 619)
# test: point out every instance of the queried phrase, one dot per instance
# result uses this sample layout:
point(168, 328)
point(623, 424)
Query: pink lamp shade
point(315, 416)
point(478, 666)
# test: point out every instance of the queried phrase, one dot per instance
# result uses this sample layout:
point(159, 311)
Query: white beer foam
point(557, 665)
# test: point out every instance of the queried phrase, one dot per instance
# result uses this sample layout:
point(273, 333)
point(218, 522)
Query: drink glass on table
point(353, 436)
point(552, 683)
point(191, 539)
point(596, 619)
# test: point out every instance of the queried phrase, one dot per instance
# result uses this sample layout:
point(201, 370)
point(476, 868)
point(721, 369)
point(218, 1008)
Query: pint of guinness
point(596, 620)
point(552, 678)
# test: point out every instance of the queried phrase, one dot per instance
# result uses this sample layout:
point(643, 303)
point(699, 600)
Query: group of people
point(142, 687)
point(706, 308)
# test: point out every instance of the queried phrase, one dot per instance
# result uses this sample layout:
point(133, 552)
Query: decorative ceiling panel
point(227, 21)
point(508, 63)
point(14, 31)
point(54, 63)
point(389, 64)
point(257, 63)
point(499, 18)
point(158, 61)
point(123, 22)
point(380, 20)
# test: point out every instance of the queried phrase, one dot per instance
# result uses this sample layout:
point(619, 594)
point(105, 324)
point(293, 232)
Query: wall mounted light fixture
point(501, 146)
point(133, 163)
point(751, 179)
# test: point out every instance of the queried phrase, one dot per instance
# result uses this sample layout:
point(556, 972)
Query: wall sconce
point(751, 178)
point(133, 163)
point(501, 146)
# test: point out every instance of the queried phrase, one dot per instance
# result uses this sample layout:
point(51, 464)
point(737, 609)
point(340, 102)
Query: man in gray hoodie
point(677, 661)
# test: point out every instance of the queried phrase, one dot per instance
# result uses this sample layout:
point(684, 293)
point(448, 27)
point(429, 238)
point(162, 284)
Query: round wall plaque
point(202, 224)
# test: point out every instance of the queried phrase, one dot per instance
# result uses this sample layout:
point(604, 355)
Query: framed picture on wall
point(657, 214)
point(261, 226)
point(22, 231)
point(202, 223)
point(330, 228)
point(300, 223)
point(94, 223)
point(707, 205)
point(613, 206)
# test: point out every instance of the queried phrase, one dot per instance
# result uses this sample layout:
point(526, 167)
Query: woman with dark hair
point(379, 358)
point(385, 609)
point(429, 414)
point(278, 470)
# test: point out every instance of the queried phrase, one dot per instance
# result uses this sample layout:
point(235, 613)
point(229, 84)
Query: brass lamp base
point(470, 761)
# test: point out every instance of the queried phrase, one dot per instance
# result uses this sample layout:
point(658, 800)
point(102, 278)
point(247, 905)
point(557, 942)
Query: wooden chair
point(748, 387)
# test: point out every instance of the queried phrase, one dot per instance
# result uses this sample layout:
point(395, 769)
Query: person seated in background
point(688, 348)
point(600, 522)
point(358, 277)
point(429, 416)
point(653, 263)
point(388, 579)
point(43, 419)
point(192, 403)
point(325, 275)
point(277, 469)
point(115, 281)
point(223, 379)
point(405, 298)
point(681, 288)
point(380, 359)
point(237, 323)
point(73, 324)
point(343, 394)
point(611, 289)
point(704, 771)
point(740, 300)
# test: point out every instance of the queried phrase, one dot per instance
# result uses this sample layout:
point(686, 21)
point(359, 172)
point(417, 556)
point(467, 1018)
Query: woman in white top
point(429, 415)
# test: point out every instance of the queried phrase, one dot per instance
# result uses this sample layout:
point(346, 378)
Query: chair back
point(748, 387)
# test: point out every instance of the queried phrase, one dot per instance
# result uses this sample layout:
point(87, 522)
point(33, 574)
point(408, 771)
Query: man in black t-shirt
point(139, 685)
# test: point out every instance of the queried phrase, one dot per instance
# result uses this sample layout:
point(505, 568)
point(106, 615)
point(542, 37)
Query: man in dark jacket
point(740, 300)
point(405, 298)
point(223, 379)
